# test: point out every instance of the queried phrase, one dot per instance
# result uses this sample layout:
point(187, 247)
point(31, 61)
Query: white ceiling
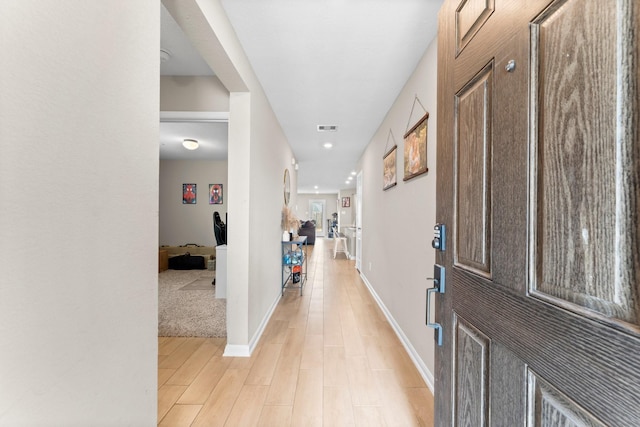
point(212, 137)
point(322, 62)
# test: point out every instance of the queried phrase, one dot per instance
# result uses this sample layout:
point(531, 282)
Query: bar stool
point(339, 243)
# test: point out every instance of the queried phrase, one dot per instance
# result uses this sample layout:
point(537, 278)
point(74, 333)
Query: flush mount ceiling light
point(190, 144)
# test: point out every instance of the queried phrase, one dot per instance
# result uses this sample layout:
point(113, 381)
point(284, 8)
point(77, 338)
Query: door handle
point(439, 287)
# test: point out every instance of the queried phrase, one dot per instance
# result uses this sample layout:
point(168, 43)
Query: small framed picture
point(189, 194)
point(215, 194)
point(415, 150)
point(389, 178)
point(346, 202)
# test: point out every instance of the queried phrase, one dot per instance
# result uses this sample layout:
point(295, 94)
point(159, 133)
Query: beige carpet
point(201, 284)
point(187, 306)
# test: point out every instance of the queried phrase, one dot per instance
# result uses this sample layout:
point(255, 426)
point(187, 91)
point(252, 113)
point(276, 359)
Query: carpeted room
point(187, 305)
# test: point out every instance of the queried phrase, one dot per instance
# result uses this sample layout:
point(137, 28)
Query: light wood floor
point(327, 358)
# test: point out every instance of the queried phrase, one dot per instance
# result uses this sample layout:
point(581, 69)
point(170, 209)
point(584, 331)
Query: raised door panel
point(471, 373)
point(473, 173)
point(548, 407)
point(581, 189)
point(470, 16)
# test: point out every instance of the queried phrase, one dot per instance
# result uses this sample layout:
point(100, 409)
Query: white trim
point(194, 116)
point(234, 350)
point(256, 337)
point(425, 373)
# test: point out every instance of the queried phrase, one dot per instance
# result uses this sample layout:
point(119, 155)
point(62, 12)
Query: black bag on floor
point(187, 262)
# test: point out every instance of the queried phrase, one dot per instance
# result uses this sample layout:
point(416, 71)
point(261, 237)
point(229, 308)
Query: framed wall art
point(215, 194)
point(189, 194)
point(346, 202)
point(389, 177)
point(415, 149)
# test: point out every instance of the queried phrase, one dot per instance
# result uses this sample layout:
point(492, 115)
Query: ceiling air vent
point(327, 128)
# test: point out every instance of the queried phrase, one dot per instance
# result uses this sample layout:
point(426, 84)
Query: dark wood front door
point(539, 185)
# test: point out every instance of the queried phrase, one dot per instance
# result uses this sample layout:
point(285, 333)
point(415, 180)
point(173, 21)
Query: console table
point(294, 263)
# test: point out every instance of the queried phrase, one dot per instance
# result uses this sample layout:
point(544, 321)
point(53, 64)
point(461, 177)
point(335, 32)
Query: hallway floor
point(328, 358)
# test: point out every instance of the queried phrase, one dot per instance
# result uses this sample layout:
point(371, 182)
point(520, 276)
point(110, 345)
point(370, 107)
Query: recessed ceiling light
point(327, 145)
point(347, 182)
point(315, 187)
point(350, 178)
point(353, 172)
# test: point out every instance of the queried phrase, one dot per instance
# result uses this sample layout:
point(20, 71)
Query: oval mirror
point(287, 187)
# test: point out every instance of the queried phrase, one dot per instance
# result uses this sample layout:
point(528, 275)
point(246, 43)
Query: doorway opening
point(317, 214)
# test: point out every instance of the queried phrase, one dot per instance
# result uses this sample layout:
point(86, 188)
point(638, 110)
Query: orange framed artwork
point(415, 149)
point(389, 178)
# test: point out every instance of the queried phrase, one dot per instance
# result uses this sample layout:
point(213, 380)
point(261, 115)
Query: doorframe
point(192, 19)
point(322, 232)
point(358, 220)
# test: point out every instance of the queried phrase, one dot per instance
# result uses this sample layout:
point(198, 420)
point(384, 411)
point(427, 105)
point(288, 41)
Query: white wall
point(193, 93)
point(258, 154)
point(347, 215)
point(185, 223)
point(270, 155)
point(181, 224)
point(398, 223)
point(79, 220)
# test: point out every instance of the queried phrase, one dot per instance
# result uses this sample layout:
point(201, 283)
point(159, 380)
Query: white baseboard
point(235, 350)
point(425, 373)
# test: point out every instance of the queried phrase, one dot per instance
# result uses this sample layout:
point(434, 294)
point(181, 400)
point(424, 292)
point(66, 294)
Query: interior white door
point(359, 221)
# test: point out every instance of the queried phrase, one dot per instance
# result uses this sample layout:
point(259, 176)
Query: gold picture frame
point(389, 161)
point(286, 187)
point(415, 150)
